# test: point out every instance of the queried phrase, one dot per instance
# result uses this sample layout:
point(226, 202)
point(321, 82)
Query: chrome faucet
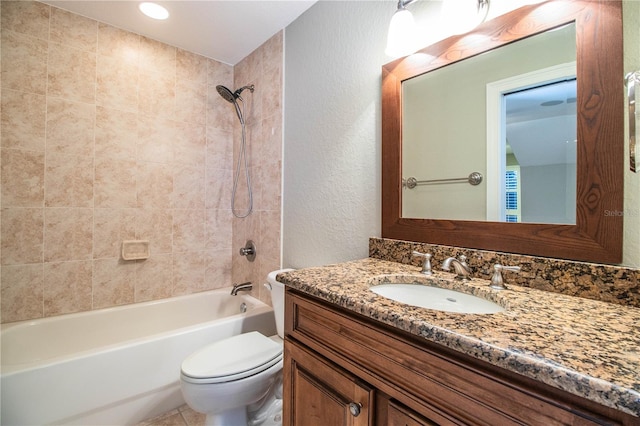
point(241, 287)
point(460, 267)
point(426, 265)
point(497, 282)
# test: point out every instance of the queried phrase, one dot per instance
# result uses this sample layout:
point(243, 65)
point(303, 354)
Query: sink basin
point(440, 299)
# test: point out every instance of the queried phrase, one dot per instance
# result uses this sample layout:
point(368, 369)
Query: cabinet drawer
point(398, 415)
point(429, 378)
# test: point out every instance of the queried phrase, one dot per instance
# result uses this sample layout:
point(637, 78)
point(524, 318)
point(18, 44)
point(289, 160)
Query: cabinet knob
point(355, 408)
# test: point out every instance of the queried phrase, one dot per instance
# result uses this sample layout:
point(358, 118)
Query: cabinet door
point(319, 393)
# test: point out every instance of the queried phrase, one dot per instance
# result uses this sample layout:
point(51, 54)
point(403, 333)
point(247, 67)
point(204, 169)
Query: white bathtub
point(115, 366)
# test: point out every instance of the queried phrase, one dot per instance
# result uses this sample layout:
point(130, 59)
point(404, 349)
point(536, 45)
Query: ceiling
point(542, 124)
point(224, 30)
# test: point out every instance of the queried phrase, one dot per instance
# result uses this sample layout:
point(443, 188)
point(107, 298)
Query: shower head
point(232, 97)
point(227, 94)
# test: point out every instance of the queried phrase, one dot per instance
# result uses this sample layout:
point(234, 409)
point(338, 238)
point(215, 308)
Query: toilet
point(238, 381)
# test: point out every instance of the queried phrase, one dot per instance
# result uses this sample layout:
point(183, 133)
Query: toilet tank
point(277, 298)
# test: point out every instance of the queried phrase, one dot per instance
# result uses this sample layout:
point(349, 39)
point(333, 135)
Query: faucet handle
point(497, 282)
point(426, 265)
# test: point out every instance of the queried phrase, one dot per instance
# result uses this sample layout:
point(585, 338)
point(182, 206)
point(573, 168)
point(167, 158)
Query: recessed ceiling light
point(153, 10)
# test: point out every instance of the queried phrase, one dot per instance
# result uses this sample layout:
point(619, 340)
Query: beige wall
point(264, 69)
point(108, 136)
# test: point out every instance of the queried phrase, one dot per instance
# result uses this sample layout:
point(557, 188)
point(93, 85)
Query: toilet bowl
point(238, 381)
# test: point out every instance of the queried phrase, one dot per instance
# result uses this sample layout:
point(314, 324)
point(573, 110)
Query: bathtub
point(114, 366)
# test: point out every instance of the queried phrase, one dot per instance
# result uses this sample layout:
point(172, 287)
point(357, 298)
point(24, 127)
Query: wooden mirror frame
point(597, 234)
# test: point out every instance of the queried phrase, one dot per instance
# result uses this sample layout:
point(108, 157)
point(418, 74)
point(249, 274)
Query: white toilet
point(238, 381)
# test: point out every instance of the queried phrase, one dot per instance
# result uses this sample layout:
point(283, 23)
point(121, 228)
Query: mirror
point(592, 234)
point(532, 83)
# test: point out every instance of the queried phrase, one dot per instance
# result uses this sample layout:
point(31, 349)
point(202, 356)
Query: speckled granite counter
point(585, 347)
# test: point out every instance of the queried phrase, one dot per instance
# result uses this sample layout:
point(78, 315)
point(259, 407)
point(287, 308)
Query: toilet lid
point(232, 359)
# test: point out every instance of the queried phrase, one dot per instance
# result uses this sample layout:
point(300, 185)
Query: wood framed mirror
point(597, 233)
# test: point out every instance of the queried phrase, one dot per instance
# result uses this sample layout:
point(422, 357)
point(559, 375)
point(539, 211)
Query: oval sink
point(440, 299)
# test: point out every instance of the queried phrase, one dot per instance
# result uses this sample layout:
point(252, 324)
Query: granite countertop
point(585, 347)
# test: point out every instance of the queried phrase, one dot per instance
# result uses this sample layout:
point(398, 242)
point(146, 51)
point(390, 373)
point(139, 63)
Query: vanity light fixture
point(153, 10)
point(402, 35)
point(402, 38)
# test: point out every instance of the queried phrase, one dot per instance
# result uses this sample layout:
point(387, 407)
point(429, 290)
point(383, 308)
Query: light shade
point(403, 34)
point(462, 16)
point(153, 10)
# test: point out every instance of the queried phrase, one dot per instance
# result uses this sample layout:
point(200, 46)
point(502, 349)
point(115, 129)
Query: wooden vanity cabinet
point(335, 361)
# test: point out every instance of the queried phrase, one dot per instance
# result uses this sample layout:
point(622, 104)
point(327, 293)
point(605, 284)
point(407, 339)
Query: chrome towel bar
point(473, 179)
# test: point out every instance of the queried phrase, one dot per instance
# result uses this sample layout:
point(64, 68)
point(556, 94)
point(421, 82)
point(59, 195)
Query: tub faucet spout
point(460, 267)
point(241, 287)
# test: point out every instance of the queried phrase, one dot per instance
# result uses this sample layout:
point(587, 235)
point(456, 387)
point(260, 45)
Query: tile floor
point(181, 416)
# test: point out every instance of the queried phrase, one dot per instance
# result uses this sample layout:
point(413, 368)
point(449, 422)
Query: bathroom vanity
point(354, 357)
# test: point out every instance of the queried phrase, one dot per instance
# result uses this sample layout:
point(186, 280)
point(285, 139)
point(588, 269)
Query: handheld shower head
point(230, 96)
point(227, 94)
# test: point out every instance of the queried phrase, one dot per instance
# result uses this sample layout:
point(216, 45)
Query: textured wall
point(331, 198)
point(107, 136)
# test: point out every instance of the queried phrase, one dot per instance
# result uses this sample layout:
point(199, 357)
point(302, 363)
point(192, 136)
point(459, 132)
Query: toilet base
point(233, 417)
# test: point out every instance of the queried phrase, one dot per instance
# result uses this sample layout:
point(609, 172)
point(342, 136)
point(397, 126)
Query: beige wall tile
point(156, 95)
point(190, 144)
point(218, 269)
point(154, 186)
point(71, 73)
point(22, 287)
point(219, 73)
point(68, 181)
point(154, 278)
point(67, 288)
point(110, 228)
point(188, 187)
point(219, 230)
point(270, 178)
point(68, 234)
point(73, 30)
point(190, 102)
point(116, 134)
point(188, 230)
point(23, 120)
point(269, 239)
point(271, 93)
point(219, 148)
point(24, 62)
point(188, 272)
point(70, 127)
point(143, 159)
point(115, 183)
point(156, 137)
point(113, 282)
point(117, 83)
point(120, 44)
point(219, 188)
point(26, 17)
point(22, 235)
point(22, 178)
point(157, 57)
point(271, 139)
point(155, 225)
point(191, 68)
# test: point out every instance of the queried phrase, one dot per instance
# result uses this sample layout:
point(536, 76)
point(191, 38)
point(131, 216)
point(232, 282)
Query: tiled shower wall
point(264, 69)
point(108, 136)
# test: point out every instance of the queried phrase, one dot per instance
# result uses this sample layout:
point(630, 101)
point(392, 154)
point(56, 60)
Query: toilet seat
point(232, 359)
